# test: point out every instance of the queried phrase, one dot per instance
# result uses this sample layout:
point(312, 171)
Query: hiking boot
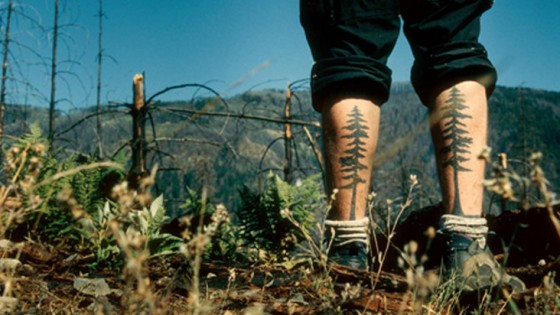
point(470, 264)
point(348, 242)
point(353, 255)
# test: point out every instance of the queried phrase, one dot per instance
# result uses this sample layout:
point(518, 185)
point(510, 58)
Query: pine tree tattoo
point(457, 136)
point(350, 163)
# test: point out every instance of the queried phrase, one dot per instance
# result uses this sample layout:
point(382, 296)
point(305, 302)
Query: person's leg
point(350, 42)
point(350, 132)
point(459, 123)
point(454, 77)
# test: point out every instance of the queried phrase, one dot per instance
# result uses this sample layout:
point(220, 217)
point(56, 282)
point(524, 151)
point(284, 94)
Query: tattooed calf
point(350, 163)
point(457, 139)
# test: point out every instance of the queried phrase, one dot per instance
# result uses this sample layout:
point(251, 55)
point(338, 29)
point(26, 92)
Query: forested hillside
point(223, 145)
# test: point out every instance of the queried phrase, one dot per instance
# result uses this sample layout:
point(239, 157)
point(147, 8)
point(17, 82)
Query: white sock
point(473, 227)
point(346, 232)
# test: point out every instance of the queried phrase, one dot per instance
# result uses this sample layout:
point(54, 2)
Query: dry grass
point(38, 278)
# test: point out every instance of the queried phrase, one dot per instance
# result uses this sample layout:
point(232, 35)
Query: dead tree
point(99, 64)
point(138, 111)
point(52, 102)
point(5, 71)
point(288, 136)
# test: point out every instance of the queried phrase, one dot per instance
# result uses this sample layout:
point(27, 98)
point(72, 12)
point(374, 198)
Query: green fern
point(86, 185)
point(51, 221)
point(34, 136)
point(261, 222)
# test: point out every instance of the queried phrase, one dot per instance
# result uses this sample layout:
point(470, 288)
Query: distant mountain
point(200, 146)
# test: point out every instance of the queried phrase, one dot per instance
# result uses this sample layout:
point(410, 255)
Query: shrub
point(55, 192)
point(261, 223)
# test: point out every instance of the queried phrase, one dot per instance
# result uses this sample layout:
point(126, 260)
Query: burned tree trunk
point(99, 64)
point(5, 72)
point(288, 137)
point(138, 169)
point(52, 102)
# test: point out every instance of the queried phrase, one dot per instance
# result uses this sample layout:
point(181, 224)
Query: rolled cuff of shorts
point(449, 65)
point(349, 77)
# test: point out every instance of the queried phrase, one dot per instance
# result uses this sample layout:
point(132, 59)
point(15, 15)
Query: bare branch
point(187, 139)
point(90, 116)
point(124, 145)
point(316, 150)
point(187, 85)
point(266, 150)
point(245, 116)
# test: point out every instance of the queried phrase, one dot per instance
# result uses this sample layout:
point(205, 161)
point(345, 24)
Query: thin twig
point(88, 117)
point(246, 116)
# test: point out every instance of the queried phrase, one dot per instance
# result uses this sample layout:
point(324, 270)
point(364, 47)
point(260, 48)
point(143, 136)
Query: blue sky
point(234, 46)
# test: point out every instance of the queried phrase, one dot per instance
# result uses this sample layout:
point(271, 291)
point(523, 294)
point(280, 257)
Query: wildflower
point(430, 232)
point(413, 179)
point(40, 149)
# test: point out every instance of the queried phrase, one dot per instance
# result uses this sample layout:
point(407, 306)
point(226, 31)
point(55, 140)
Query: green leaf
point(163, 244)
point(156, 208)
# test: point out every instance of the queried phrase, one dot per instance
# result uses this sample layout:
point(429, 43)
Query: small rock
point(163, 281)
point(101, 306)
point(71, 258)
point(298, 298)
point(117, 292)
point(256, 309)
point(6, 244)
point(9, 264)
point(95, 287)
point(8, 305)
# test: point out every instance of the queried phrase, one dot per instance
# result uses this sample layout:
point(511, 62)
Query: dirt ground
point(45, 280)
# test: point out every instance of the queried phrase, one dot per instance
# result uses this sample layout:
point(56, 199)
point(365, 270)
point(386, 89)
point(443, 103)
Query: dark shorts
point(351, 40)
